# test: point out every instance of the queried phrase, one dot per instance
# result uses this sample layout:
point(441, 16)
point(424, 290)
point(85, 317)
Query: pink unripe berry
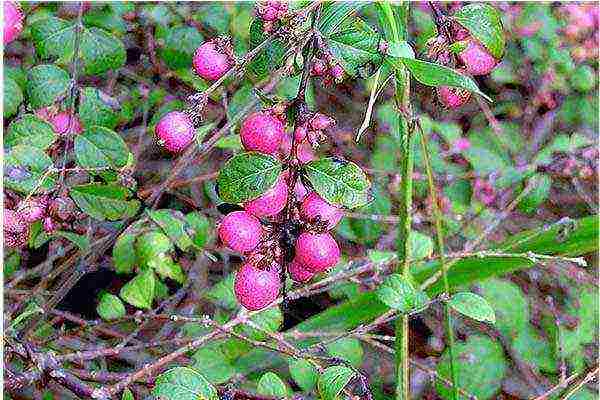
point(314, 206)
point(33, 209)
point(175, 131)
point(317, 251)
point(453, 97)
point(65, 123)
point(48, 225)
point(318, 67)
point(16, 229)
point(13, 21)
point(240, 231)
point(256, 288)
point(461, 144)
point(321, 121)
point(300, 190)
point(305, 153)
point(271, 202)
point(209, 63)
point(300, 133)
point(337, 72)
point(262, 132)
point(477, 60)
point(298, 273)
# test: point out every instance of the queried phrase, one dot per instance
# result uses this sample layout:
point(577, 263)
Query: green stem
point(440, 250)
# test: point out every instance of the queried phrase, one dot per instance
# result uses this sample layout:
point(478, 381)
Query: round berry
point(318, 67)
point(314, 206)
point(317, 251)
point(270, 203)
point(262, 132)
point(62, 208)
point(300, 133)
point(240, 231)
point(16, 229)
point(33, 209)
point(65, 123)
point(256, 288)
point(321, 121)
point(209, 63)
point(13, 21)
point(48, 225)
point(305, 153)
point(175, 131)
point(300, 190)
point(337, 72)
point(453, 97)
point(477, 60)
point(298, 273)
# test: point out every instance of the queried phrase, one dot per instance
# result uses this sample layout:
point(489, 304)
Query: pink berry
point(175, 131)
point(317, 251)
point(16, 229)
point(300, 133)
point(314, 206)
point(300, 190)
point(48, 225)
point(318, 67)
point(477, 60)
point(65, 123)
point(240, 231)
point(13, 21)
point(321, 121)
point(298, 273)
point(256, 288)
point(33, 209)
point(209, 63)
point(262, 132)
point(270, 203)
point(459, 32)
point(453, 97)
point(461, 144)
point(305, 153)
point(337, 72)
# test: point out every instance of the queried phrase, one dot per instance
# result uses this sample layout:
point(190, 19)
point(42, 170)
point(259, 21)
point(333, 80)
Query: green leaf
point(400, 294)
point(421, 246)
point(31, 131)
point(202, 228)
point(268, 59)
point(541, 184)
point(177, 45)
point(123, 254)
point(184, 383)
point(127, 395)
point(355, 46)
point(97, 108)
point(246, 176)
point(338, 181)
point(150, 246)
point(27, 168)
point(480, 366)
point(334, 14)
point(167, 268)
point(535, 350)
point(271, 385)
point(348, 349)
point(510, 304)
point(100, 147)
point(46, 84)
point(13, 97)
point(431, 74)
point(110, 307)
point(139, 292)
point(83, 242)
point(333, 380)
point(104, 202)
point(172, 222)
point(222, 293)
point(473, 306)
point(485, 24)
point(99, 50)
point(303, 373)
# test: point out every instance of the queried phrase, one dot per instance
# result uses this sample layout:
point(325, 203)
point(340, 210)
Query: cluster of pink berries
point(257, 233)
point(13, 21)
point(328, 69)
point(175, 130)
point(53, 213)
point(64, 123)
point(270, 12)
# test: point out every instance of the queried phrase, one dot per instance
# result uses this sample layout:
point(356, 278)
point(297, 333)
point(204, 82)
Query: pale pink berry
point(271, 10)
point(256, 288)
point(65, 123)
point(298, 273)
point(315, 207)
point(240, 231)
point(461, 144)
point(477, 60)
point(318, 67)
point(321, 122)
point(270, 203)
point(337, 72)
point(16, 229)
point(300, 190)
point(317, 251)
point(13, 21)
point(262, 132)
point(209, 63)
point(175, 131)
point(33, 209)
point(453, 97)
point(48, 225)
point(459, 32)
point(305, 153)
point(300, 133)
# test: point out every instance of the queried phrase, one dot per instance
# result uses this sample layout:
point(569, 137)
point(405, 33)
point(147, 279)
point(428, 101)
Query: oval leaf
point(173, 223)
point(272, 385)
point(100, 147)
point(27, 168)
point(339, 181)
point(333, 380)
point(400, 294)
point(46, 83)
point(303, 373)
point(13, 97)
point(110, 307)
point(97, 108)
point(485, 24)
point(183, 383)
point(104, 201)
point(123, 254)
point(246, 176)
point(473, 306)
point(139, 292)
point(31, 131)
